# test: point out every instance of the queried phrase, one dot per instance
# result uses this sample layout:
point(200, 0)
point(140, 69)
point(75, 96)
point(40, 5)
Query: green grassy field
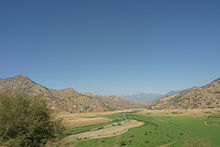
point(163, 130)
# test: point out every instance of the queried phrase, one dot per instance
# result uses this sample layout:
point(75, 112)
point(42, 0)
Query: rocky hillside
point(68, 99)
point(207, 96)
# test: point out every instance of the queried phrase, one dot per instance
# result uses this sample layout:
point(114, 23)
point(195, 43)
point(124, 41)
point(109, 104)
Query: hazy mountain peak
point(147, 97)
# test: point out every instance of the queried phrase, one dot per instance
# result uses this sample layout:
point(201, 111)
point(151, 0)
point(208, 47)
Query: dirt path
point(106, 132)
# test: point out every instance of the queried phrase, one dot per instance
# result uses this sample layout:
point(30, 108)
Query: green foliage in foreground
point(26, 121)
point(173, 131)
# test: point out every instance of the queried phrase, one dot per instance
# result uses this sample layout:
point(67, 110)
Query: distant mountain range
point(147, 97)
point(68, 99)
point(207, 96)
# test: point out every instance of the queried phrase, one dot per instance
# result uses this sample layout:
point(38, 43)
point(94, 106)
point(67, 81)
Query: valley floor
point(171, 128)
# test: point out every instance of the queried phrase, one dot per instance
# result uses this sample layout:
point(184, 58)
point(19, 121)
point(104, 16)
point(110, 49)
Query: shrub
point(123, 143)
point(146, 141)
point(217, 92)
point(175, 112)
point(27, 121)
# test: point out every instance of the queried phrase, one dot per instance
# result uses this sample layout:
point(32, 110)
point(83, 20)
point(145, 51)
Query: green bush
point(123, 143)
point(175, 112)
point(27, 121)
point(217, 92)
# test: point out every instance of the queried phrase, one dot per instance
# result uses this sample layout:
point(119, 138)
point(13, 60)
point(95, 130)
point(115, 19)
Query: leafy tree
point(27, 121)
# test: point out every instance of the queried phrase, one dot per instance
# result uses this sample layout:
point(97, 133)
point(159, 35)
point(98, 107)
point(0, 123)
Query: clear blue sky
point(111, 47)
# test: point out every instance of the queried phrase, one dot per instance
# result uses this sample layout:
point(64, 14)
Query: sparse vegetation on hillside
point(68, 99)
point(207, 96)
point(27, 121)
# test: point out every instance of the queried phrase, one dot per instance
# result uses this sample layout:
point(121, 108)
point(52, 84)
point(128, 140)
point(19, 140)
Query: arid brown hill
point(207, 96)
point(68, 99)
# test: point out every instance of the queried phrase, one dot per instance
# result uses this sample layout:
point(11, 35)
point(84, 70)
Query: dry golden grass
point(71, 120)
point(84, 121)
